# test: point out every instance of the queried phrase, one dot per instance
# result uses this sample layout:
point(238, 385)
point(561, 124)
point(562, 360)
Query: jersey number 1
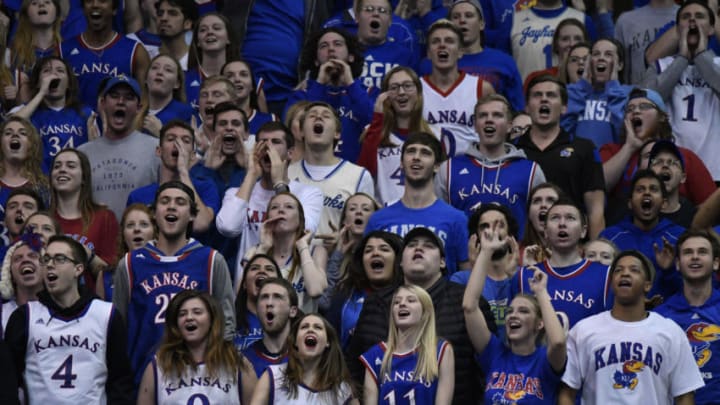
point(64, 373)
point(390, 397)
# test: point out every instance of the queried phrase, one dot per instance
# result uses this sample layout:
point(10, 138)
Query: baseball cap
point(421, 231)
point(667, 146)
point(649, 94)
point(118, 80)
point(474, 3)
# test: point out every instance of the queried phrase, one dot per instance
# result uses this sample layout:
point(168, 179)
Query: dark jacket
point(372, 327)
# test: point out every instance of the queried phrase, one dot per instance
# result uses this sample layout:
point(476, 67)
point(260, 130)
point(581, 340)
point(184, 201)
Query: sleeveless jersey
point(341, 183)
point(254, 333)
point(694, 112)
point(471, 183)
point(256, 120)
point(196, 387)
point(151, 42)
point(154, 279)
point(60, 129)
point(531, 39)
point(400, 386)
point(260, 359)
point(66, 357)
point(280, 395)
point(451, 113)
point(390, 178)
point(576, 291)
point(92, 65)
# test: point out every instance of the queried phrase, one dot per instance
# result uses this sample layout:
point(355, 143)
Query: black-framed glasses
point(380, 9)
point(408, 87)
point(58, 259)
point(640, 107)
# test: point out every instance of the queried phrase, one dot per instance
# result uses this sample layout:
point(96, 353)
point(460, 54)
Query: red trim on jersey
point(459, 80)
point(574, 273)
point(133, 59)
point(443, 346)
point(108, 45)
point(369, 368)
point(211, 256)
point(478, 163)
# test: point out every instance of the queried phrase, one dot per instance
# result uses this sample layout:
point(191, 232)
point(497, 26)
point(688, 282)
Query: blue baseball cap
point(118, 80)
point(649, 94)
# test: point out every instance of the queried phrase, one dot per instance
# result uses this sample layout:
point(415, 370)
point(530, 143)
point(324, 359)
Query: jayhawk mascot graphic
point(627, 378)
point(701, 335)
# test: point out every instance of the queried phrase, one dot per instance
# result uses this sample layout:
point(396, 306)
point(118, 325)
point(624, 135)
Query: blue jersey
point(260, 359)
point(626, 236)
point(400, 386)
point(60, 129)
point(193, 81)
point(175, 110)
point(576, 291)
point(92, 65)
point(497, 294)
point(448, 223)
point(471, 183)
point(702, 327)
point(493, 66)
point(349, 315)
point(380, 59)
point(254, 332)
point(154, 279)
point(515, 379)
point(257, 119)
point(274, 38)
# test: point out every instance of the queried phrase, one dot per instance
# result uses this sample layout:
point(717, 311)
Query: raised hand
point(538, 282)
point(664, 255)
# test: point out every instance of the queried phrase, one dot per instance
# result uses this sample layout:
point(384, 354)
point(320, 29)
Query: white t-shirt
point(616, 362)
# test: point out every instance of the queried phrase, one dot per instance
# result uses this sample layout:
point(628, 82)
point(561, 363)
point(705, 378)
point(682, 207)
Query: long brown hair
point(73, 88)
point(32, 166)
point(86, 203)
point(298, 232)
point(232, 50)
point(23, 48)
point(332, 372)
point(417, 122)
point(173, 355)
point(122, 246)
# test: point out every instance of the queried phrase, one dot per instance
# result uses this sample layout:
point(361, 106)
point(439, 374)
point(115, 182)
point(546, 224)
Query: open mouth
point(514, 325)
point(601, 67)
point(119, 114)
point(359, 221)
point(318, 128)
point(563, 234)
point(95, 15)
point(665, 176)
point(191, 327)
point(377, 264)
point(375, 24)
point(15, 144)
point(544, 110)
point(28, 269)
point(209, 111)
point(310, 341)
point(51, 277)
point(138, 239)
point(646, 204)
point(19, 220)
point(171, 218)
point(636, 122)
point(580, 71)
point(42, 12)
point(229, 139)
point(489, 129)
point(542, 216)
point(417, 256)
point(443, 56)
point(175, 153)
point(693, 31)
point(258, 281)
point(624, 283)
point(403, 313)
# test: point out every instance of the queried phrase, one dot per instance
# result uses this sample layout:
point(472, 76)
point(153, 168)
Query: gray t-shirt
point(636, 29)
point(120, 166)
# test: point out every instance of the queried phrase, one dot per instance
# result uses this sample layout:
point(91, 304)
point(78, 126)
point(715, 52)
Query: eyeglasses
point(58, 259)
point(408, 87)
point(379, 9)
point(669, 162)
point(640, 106)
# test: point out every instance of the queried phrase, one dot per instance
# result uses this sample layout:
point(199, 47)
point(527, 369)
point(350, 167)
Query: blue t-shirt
point(448, 223)
point(514, 379)
point(204, 186)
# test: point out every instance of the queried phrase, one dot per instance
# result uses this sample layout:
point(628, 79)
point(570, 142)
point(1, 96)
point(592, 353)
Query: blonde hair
point(427, 367)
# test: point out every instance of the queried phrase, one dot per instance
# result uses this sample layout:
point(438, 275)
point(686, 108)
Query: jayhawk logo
point(627, 378)
point(509, 397)
point(524, 4)
point(701, 335)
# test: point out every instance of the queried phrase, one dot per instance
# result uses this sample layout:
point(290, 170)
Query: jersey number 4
point(64, 373)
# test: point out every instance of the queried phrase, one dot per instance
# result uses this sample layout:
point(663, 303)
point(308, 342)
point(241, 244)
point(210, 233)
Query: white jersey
point(531, 39)
point(196, 387)
point(390, 182)
point(616, 362)
point(65, 359)
point(338, 183)
point(451, 114)
point(694, 112)
point(280, 395)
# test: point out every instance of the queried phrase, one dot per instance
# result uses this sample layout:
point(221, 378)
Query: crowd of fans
point(359, 201)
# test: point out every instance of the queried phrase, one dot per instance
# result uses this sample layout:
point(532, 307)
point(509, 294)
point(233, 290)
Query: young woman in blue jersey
point(398, 112)
point(284, 238)
point(21, 159)
point(136, 229)
point(373, 264)
point(194, 363)
point(55, 110)
point(315, 372)
point(257, 269)
point(213, 44)
point(414, 365)
point(79, 214)
point(241, 75)
point(38, 33)
point(574, 66)
point(164, 98)
point(535, 368)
